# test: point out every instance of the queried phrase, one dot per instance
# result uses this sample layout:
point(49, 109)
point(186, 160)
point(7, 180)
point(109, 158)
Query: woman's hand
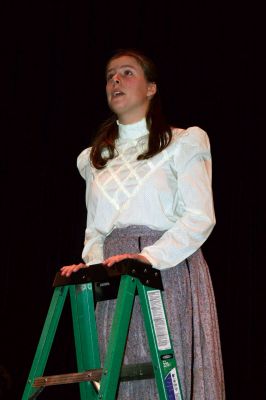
point(68, 269)
point(119, 257)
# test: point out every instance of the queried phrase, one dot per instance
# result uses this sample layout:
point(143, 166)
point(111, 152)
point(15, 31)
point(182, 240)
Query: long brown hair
point(160, 134)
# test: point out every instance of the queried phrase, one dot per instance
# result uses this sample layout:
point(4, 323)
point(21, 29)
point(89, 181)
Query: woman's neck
point(127, 119)
point(134, 130)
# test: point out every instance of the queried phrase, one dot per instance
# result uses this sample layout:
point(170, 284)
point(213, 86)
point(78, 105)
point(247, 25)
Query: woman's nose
point(115, 79)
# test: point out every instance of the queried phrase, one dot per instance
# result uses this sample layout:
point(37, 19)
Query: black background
point(209, 57)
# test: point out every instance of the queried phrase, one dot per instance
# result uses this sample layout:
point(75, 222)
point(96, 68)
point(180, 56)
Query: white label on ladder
point(159, 321)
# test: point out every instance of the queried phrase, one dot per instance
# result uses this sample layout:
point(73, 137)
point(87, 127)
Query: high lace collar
point(132, 131)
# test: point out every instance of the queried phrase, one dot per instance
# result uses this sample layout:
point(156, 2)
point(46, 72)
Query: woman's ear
point(152, 89)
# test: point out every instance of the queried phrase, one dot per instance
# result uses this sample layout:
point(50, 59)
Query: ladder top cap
point(148, 275)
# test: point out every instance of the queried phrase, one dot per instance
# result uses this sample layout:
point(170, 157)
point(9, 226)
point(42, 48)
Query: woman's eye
point(127, 72)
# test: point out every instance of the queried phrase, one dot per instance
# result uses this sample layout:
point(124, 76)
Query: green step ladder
point(98, 283)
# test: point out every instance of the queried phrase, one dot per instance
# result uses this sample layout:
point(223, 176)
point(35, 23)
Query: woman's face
point(128, 91)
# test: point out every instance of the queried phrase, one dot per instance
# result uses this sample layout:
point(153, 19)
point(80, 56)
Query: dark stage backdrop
point(52, 100)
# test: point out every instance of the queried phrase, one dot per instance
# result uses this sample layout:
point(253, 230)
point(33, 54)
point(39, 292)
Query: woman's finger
point(69, 269)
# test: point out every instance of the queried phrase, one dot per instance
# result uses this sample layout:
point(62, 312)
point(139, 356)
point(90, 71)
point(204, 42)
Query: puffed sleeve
point(93, 244)
point(194, 210)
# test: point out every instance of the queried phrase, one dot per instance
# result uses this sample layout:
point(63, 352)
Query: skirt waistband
point(131, 239)
point(134, 231)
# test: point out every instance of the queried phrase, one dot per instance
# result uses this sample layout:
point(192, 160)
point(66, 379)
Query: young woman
point(149, 197)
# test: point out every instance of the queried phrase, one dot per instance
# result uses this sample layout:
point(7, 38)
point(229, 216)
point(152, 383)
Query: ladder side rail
point(85, 335)
point(46, 339)
point(117, 339)
point(159, 339)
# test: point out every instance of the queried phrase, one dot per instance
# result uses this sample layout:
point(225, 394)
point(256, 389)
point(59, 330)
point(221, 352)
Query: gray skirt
point(191, 312)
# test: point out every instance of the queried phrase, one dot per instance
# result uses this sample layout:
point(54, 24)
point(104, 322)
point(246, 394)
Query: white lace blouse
point(170, 192)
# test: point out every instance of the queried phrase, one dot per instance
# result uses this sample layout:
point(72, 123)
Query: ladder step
point(128, 373)
point(75, 377)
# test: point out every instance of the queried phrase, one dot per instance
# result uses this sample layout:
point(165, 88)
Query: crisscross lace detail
point(123, 176)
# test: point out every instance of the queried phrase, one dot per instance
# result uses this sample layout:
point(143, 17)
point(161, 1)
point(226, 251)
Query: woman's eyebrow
point(120, 66)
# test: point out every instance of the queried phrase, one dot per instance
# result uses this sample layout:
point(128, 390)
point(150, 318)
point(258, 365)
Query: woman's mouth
point(117, 93)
